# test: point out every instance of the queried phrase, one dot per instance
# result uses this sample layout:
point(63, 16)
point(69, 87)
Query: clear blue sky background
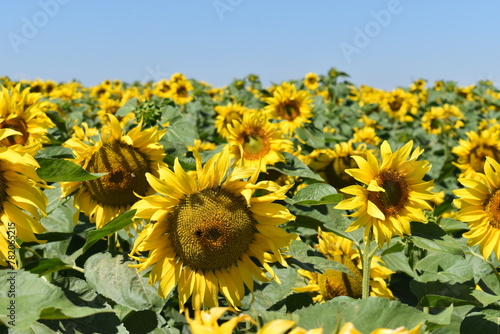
point(279, 40)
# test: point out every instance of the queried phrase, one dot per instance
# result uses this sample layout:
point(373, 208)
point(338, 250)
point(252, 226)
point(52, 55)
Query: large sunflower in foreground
point(479, 205)
point(393, 192)
point(207, 234)
point(291, 107)
point(334, 283)
point(472, 152)
point(22, 111)
point(21, 200)
point(126, 158)
point(256, 142)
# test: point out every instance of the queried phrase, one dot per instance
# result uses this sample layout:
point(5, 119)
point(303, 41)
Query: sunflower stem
point(366, 262)
point(112, 242)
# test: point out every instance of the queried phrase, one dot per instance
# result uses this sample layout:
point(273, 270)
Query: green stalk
point(112, 242)
point(366, 262)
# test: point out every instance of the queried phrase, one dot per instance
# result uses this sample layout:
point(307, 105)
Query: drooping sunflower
point(332, 163)
point(472, 152)
point(256, 142)
point(21, 200)
point(126, 158)
point(23, 112)
point(479, 205)
point(392, 195)
point(311, 81)
point(331, 283)
point(226, 115)
point(291, 107)
point(207, 234)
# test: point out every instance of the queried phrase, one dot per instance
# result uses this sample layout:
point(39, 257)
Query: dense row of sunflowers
point(310, 206)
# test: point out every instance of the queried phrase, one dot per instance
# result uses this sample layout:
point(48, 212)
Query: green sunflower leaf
point(113, 278)
point(32, 298)
point(307, 258)
point(294, 167)
point(316, 194)
point(128, 107)
point(46, 266)
point(120, 222)
point(367, 315)
point(59, 170)
point(484, 321)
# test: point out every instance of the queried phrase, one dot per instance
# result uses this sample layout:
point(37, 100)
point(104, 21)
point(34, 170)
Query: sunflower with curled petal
point(21, 200)
point(290, 107)
point(333, 283)
point(125, 158)
point(24, 113)
point(208, 234)
point(392, 195)
point(256, 142)
point(479, 205)
point(472, 152)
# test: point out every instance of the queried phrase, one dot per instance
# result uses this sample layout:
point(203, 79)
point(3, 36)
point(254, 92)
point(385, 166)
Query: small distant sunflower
point(400, 104)
point(479, 205)
point(201, 146)
point(24, 113)
point(291, 107)
point(110, 106)
point(443, 119)
point(333, 283)
point(226, 115)
point(21, 200)
point(331, 163)
point(162, 88)
point(472, 152)
point(180, 92)
point(392, 195)
point(126, 158)
point(366, 134)
point(256, 142)
point(311, 81)
point(207, 234)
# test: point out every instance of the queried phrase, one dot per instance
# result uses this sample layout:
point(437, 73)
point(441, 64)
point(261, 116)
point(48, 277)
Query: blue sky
point(383, 44)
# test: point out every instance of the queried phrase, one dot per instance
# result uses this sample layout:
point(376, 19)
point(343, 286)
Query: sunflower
point(208, 321)
point(392, 195)
point(180, 92)
point(443, 119)
point(331, 163)
point(399, 104)
point(23, 112)
point(311, 81)
point(479, 205)
point(472, 152)
point(291, 107)
point(225, 116)
point(348, 328)
point(208, 234)
point(162, 88)
point(21, 200)
point(110, 106)
point(333, 283)
point(125, 158)
point(257, 143)
point(366, 134)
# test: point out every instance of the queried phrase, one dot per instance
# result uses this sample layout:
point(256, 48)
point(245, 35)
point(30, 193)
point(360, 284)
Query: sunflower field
point(310, 206)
